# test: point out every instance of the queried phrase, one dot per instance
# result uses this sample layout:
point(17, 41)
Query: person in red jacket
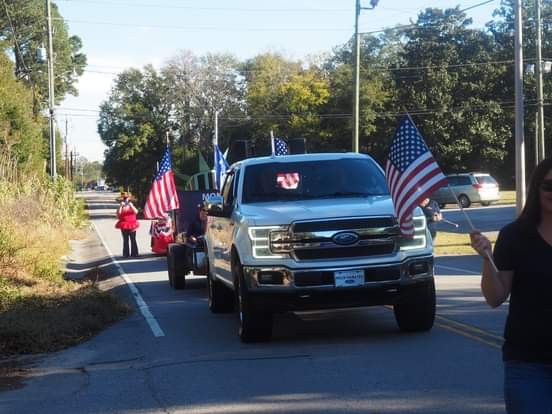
point(127, 223)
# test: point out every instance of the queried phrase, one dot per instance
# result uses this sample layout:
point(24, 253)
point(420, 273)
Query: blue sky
point(118, 34)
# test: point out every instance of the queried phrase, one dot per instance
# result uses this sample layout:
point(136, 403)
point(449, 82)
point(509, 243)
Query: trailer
point(185, 258)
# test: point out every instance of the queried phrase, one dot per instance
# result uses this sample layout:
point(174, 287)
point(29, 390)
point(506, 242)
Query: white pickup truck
point(314, 231)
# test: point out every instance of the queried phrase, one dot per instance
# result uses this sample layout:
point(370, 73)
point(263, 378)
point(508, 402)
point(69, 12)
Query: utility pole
point(540, 141)
point(66, 164)
point(215, 139)
point(356, 99)
point(51, 92)
point(520, 140)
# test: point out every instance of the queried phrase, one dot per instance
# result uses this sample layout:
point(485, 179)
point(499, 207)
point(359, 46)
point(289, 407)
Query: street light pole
point(356, 102)
point(519, 138)
point(51, 92)
point(540, 106)
point(356, 99)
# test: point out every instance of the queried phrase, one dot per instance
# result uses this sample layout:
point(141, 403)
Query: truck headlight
point(419, 241)
point(260, 241)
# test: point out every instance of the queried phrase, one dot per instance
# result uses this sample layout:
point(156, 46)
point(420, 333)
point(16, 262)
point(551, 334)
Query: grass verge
point(455, 243)
point(40, 311)
point(53, 318)
point(506, 197)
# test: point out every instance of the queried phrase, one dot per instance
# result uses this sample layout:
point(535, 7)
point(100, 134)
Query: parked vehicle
point(469, 188)
point(314, 231)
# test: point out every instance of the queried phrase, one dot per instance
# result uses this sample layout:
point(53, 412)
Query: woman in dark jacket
point(522, 254)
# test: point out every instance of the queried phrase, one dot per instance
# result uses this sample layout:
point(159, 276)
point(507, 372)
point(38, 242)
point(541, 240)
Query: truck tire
point(176, 265)
point(170, 267)
point(418, 315)
point(221, 299)
point(254, 325)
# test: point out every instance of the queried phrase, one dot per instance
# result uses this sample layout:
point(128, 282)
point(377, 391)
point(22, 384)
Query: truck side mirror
point(215, 206)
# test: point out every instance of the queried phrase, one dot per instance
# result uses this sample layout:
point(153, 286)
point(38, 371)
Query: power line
point(210, 9)
point(411, 111)
point(209, 28)
point(415, 26)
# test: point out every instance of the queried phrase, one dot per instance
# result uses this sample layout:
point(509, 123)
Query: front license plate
point(346, 278)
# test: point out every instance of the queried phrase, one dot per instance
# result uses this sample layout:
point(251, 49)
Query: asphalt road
point(173, 356)
point(486, 219)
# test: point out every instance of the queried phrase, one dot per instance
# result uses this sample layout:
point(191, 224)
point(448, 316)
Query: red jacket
point(127, 219)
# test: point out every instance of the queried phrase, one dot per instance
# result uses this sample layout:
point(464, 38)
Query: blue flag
point(221, 165)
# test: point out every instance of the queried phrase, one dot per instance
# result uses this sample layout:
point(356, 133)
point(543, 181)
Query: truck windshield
point(345, 177)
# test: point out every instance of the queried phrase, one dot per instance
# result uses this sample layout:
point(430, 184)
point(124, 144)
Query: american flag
point(412, 173)
point(287, 181)
point(162, 196)
point(280, 147)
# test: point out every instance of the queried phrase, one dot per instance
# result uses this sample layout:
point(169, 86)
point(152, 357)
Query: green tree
point(284, 96)
point(20, 131)
point(133, 124)
point(201, 87)
point(451, 93)
point(375, 93)
point(22, 25)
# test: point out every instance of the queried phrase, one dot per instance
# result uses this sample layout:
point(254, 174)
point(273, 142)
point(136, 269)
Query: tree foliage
point(457, 82)
point(20, 132)
point(22, 28)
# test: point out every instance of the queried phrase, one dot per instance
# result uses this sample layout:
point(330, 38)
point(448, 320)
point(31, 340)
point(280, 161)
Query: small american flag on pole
point(412, 173)
point(280, 147)
point(162, 196)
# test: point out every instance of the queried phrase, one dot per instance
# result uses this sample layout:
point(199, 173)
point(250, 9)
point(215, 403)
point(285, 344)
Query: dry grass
point(507, 197)
point(47, 317)
point(455, 243)
point(39, 310)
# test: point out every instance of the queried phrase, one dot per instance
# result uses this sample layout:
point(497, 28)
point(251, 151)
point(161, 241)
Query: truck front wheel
point(419, 314)
point(254, 325)
point(221, 299)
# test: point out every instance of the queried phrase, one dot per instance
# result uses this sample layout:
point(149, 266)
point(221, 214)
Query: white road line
point(458, 269)
point(144, 309)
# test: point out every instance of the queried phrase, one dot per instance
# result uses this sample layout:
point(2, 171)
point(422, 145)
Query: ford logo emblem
point(345, 238)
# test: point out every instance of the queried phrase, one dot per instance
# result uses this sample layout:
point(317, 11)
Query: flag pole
point(272, 141)
point(489, 255)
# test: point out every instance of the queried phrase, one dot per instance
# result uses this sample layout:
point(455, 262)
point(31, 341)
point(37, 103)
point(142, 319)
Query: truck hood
point(281, 213)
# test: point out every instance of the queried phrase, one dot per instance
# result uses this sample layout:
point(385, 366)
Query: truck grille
point(314, 240)
point(344, 252)
point(344, 224)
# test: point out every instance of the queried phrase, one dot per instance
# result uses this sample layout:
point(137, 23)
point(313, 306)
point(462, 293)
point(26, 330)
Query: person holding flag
point(162, 196)
point(522, 253)
point(411, 172)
